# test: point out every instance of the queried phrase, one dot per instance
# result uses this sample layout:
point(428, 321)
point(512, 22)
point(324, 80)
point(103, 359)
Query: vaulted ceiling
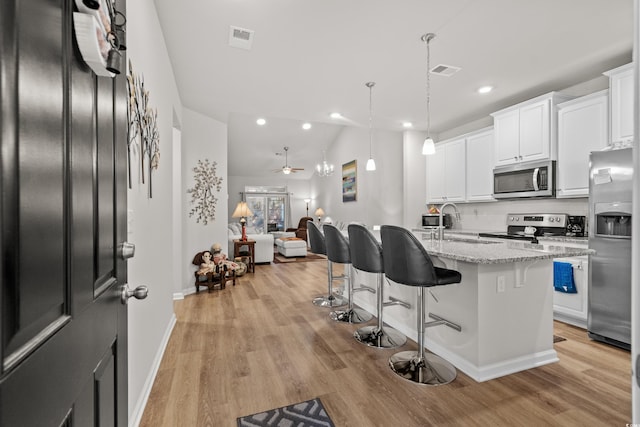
point(310, 58)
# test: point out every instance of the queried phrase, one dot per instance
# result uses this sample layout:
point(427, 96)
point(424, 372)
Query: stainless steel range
point(529, 227)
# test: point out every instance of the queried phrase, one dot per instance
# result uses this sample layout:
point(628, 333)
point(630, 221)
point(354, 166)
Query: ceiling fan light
point(371, 164)
point(428, 147)
point(286, 170)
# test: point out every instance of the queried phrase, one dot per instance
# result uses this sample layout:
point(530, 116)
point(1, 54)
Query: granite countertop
point(480, 251)
point(453, 233)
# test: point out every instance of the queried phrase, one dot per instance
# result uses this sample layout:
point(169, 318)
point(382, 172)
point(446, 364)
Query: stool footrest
point(364, 288)
point(442, 321)
point(396, 301)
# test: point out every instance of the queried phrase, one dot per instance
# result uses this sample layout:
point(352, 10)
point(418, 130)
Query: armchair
point(301, 230)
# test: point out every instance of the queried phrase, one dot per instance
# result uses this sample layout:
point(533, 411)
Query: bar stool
point(366, 255)
point(408, 263)
point(338, 252)
point(318, 246)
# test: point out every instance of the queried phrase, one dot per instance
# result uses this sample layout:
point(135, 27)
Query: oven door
point(534, 179)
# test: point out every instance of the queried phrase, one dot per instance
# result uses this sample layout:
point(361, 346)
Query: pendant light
point(428, 147)
point(371, 164)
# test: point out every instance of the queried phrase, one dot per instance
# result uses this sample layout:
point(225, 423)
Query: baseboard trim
point(136, 415)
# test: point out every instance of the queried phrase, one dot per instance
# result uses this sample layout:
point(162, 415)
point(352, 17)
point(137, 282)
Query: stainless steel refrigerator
point(610, 205)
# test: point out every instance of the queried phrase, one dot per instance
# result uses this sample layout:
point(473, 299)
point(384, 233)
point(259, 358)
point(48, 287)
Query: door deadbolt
point(127, 250)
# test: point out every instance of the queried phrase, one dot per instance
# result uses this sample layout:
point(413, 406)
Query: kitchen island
point(504, 304)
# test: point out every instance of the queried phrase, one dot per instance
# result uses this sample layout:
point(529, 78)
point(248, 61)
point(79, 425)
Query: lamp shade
point(429, 147)
point(242, 210)
point(319, 212)
point(371, 165)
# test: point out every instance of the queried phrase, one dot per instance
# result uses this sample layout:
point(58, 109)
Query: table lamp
point(242, 211)
point(319, 213)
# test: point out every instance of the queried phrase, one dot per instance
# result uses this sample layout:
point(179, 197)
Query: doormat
point(309, 413)
point(556, 339)
point(281, 259)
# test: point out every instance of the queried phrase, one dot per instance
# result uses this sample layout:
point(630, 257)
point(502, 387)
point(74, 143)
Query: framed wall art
point(349, 182)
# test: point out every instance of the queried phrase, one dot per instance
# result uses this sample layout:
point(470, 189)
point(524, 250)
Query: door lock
point(140, 292)
point(126, 250)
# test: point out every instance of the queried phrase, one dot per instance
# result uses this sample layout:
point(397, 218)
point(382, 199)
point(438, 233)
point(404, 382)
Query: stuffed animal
point(220, 259)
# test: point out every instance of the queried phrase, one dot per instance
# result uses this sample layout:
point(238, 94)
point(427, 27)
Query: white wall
point(414, 164)
point(379, 193)
point(202, 138)
point(150, 219)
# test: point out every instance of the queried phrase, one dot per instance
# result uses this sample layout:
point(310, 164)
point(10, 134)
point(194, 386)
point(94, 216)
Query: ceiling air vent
point(445, 70)
point(240, 37)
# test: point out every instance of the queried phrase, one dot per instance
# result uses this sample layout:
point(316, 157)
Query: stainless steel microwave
point(530, 179)
point(433, 220)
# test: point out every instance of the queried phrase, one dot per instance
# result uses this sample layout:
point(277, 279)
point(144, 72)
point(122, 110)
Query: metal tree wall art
point(202, 195)
point(144, 137)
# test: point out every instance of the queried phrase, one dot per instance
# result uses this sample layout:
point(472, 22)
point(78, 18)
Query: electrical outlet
point(500, 284)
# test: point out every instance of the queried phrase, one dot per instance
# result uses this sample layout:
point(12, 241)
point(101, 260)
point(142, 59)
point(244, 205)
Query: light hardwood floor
point(262, 344)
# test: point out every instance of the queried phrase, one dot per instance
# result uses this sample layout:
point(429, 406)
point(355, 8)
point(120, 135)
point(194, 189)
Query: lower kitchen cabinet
point(572, 308)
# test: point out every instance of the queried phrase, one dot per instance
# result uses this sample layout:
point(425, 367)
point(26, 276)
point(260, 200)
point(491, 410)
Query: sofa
point(264, 242)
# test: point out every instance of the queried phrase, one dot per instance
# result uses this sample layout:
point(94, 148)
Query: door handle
point(140, 292)
point(126, 250)
point(638, 370)
point(536, 173)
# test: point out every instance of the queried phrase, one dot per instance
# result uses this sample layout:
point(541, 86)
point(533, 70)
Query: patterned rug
point(310, 413)
point(280, 259)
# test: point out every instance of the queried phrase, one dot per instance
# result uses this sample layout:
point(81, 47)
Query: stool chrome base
point(373, 336)
point(432, 370)
point(330, 301)
point(354, 315)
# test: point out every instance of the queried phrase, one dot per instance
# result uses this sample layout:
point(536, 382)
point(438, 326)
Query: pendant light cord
point(370, 85)
point(427, 38)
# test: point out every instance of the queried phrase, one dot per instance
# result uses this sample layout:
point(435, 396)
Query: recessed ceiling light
point(306, 126)
point(261, 122)
point(485, 89)
point(407, 124)
point(335, 115)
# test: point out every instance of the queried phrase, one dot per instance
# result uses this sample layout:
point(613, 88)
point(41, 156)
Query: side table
point(251, 244)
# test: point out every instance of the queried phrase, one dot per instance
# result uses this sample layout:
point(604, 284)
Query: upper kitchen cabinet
point(480, 165)
point(527, 131)
point(446, 172)
point(621, 103)
point(582, 128)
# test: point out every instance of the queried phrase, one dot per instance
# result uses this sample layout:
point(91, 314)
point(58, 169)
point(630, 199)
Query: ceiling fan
point(286, 169)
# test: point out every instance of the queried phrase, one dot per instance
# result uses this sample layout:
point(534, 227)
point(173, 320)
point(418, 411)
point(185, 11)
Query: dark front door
point(63, 344)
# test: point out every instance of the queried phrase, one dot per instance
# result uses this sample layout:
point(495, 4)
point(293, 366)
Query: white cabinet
point(446, 172)
point(572, 308)
point(582, 128)
point(480, 166)
point(621, 103)
point(527, 131)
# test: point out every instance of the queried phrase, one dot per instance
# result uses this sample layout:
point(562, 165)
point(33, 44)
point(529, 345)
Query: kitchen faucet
point(440, 220)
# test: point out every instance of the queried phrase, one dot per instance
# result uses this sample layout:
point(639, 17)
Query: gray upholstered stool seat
point(408, 263)
point(317, 246)
point(366, 255)
point(338, 252)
